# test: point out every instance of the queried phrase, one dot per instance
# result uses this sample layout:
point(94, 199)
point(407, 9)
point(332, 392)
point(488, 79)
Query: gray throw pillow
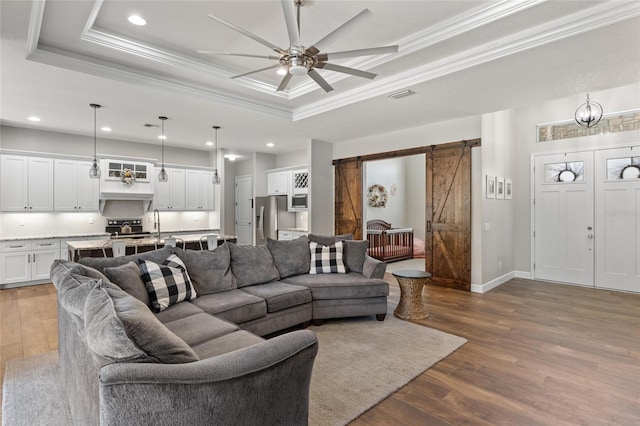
point(120, 328)
point(327, 240)
point(291, 257)
point(128, 278)
point(354, 254)
point(252, 265)
point(210, 271)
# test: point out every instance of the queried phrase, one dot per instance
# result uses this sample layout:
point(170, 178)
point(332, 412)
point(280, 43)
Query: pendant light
point(589, 113)
point(94, 171)
point(216, 176)
point(162, 176)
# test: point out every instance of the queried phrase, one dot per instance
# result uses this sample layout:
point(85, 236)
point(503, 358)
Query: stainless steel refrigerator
point(271, 215)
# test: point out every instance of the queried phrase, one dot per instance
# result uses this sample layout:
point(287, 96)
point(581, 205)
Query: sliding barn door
point(348, 198)
point(448, 216)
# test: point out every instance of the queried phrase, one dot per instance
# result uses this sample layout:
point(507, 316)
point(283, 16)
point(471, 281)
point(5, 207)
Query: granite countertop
point(206, 230)
point(294, 229)
point(46, 237)
point(132, 242)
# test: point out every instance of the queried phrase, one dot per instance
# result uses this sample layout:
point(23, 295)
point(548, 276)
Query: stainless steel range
point(126, 228)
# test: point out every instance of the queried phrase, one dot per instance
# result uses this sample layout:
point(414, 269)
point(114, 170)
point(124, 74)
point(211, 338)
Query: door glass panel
point(564, 172)
point(623, 168)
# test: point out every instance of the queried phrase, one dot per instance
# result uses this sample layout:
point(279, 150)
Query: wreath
point(377, 196)
point(128, 177)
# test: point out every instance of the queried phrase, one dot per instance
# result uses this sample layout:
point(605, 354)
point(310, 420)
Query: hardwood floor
point(537, 353)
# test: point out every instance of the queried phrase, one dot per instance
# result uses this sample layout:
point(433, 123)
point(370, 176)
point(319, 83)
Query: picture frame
point(491, 187)
point(500, 188)
point(508, 189)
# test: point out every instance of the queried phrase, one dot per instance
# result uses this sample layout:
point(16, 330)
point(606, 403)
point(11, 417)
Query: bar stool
point(212, 241)
point(173, 242)
point(118, 248)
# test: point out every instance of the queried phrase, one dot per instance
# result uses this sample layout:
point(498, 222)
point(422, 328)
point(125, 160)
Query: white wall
point(293, 158)
point(389, 173)
point(321, 201)
point(415, 172)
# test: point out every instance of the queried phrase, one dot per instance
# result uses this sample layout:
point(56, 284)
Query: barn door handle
point(428, 226)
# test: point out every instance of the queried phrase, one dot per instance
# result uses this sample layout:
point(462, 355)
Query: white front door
point(244, 210)
point(617, 207)
point(563, 222)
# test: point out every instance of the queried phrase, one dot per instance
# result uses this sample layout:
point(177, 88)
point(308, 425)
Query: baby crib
point(389, 244)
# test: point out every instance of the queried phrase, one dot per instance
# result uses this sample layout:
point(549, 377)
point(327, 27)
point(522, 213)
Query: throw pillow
point(210, 271)
point(326, 259)
point(128, 278)
point(252, 265)
point(120, 328)
point(291, 257)
point(327, 240)
point(354, 254)
point(167, 283)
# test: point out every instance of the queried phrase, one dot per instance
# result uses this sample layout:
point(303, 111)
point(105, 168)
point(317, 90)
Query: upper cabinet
point(278, 182)
point(26, 184)
point(199, 190)
point(74, 190)
point(171, 195)
point(300, 181)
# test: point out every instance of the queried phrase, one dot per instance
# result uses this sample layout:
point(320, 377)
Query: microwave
point(299, 202)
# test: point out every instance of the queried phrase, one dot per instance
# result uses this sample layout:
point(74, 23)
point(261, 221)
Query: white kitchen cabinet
point(74, 190)
point(26, 184)
point(27, 260)
point(199, 190)
point(278, 182)
point(170, 195)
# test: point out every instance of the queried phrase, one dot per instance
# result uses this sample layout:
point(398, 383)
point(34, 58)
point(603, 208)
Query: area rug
point(360, 362)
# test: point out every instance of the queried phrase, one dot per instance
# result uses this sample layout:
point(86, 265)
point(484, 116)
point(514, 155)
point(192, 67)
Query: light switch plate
point(487, 226)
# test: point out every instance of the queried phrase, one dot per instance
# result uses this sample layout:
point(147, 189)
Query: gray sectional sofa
point(125, 359)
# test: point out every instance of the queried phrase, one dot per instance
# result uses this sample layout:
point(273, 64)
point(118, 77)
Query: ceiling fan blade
point(318, 79)
point(345, 70)
point(246, 55)
point(358, 52)
point(255, 71)
point(319, 45)
point(247, 33)
point(292, 22)
point(284, 82)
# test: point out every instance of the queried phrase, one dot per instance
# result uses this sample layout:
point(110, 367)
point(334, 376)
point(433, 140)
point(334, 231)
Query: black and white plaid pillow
point(326, 259)
point(167, 283)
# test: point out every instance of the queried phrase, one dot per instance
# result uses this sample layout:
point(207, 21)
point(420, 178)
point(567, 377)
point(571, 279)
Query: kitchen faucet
point(156, 222)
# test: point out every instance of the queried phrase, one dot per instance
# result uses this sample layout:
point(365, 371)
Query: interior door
point(348, 197)
point(244, 210)
point(448, 216)
point(617, 206)
point(564, 223)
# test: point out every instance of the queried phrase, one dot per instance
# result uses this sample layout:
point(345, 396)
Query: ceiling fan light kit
point(297, 59)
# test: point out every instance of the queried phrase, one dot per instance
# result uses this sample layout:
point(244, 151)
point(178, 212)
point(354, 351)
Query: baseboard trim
point(523, 274)
point(483, 288)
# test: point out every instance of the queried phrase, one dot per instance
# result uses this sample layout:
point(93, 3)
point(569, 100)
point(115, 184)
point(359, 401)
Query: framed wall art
point(500, 188)
point(491, 186)
point(508, 189)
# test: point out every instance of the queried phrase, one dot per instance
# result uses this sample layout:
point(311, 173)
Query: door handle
point(428, 226)
point(589, 236)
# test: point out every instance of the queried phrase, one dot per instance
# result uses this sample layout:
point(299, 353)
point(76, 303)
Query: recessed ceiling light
point(163, 137)
point(270, 144)
point(209, 143)
point(34, 118)
point(231, 157)
point(137, 20)
point(105, 129)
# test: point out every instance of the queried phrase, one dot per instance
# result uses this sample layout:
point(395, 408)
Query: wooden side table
point(411, 283)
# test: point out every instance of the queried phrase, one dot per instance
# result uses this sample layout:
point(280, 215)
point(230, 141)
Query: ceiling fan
point(300, 60)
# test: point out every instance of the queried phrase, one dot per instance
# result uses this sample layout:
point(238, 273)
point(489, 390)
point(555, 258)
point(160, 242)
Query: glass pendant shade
point(94, 171)
point(163, 176)
point(589, 113)
point(216, 177)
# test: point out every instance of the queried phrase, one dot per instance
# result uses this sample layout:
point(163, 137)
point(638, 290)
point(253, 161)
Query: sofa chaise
point(138, 345)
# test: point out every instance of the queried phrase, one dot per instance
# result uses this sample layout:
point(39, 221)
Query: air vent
point(402, 94)
point(153, 126)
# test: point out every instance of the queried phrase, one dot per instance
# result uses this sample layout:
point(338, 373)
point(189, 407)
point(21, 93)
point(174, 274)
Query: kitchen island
point(102, 248)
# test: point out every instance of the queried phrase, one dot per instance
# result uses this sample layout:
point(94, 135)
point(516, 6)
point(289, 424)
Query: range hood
point(126, 180)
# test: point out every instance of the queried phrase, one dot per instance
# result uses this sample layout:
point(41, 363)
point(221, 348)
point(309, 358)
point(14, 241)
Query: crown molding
point(599, 16)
